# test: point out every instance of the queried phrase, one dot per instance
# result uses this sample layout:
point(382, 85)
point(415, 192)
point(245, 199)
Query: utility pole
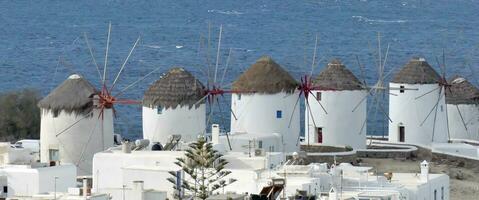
point(55, 187)
point(123, 186)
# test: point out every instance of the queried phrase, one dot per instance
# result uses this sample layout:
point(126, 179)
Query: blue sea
point(42, 42)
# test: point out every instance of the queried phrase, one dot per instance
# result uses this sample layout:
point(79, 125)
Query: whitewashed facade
point(171, 107)
point(260, 114)
point(343, 124)
point(72, 137)
point(409, 108)
point(160, 123)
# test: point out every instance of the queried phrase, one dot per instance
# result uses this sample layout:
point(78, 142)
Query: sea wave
point(152, 46)
point(226, 12)
point(365, 19)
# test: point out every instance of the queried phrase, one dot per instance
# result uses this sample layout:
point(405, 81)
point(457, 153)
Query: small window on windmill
point(159, 110)
point(318, 96)
point(279, 114)
point(239, 97)
point(401, 89)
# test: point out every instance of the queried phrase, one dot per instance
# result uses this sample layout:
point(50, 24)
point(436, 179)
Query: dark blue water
point(35, 35)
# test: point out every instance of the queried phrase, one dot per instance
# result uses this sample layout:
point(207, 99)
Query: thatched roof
point(416, 71)
point(462, 92)
point(265, 76)
point(176, 87)
point(336, 76)
point(74, 95)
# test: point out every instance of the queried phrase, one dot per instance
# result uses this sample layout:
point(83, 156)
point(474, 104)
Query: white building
point(415, 119)
point(254, 174)
point(462, 101)
point(339, 91)
point(72, 130)
point(37, 178)
point(168, 107)
point(358, 183)
point(263, 103)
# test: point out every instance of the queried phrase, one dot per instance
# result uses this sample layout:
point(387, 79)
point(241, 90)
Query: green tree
point(204, 170)
point(19, 115)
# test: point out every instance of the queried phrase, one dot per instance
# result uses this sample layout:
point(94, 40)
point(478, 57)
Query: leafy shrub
point(19, 115)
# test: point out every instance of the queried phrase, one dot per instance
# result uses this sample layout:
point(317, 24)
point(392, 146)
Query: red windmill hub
point(107, 101)
point(306, 87)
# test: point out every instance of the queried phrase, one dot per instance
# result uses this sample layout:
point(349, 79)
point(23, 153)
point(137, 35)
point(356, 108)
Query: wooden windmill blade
point(224, 121)
point(90, 50)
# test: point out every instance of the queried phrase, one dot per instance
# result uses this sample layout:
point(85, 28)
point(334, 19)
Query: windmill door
point(320, 135)
point(401, 133)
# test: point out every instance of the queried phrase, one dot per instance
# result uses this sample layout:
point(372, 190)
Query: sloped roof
point(416, 71)
point(265, 76)
point(336, 76)
point(462, 92)
point(74, 95)
point(176, 87)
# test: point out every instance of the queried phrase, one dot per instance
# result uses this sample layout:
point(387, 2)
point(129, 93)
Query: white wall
point(341, 126)
point(189, 123)
point(109, 169)
point(113, 170)
point(246, 142)
point(256, 114)
point(406, 110)
point(89, 136)
point(24, 181)
point(426, 191)
point(470, 113)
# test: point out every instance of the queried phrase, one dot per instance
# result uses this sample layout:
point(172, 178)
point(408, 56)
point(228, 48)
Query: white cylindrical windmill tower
point(73, 127)
point(169, 107)
point(344, 124)
point(264, 102)
point(417, 105)
point(462, 99)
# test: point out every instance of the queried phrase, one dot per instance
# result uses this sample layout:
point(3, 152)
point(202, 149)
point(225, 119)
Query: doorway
point(401, 134)
point(319, 133)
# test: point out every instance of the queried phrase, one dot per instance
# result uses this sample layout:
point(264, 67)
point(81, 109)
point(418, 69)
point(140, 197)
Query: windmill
point(443, 89)
point(76, 107)
point(462, 99)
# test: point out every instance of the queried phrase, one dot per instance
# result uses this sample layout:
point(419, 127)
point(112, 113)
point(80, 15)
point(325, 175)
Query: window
point(318, 96)
point(435, 194)
point(5, 189)
point(279, 114)
point(159, 110)
point(320, 134)
point(401, 90)
point(260, 144)
point(239, 97)
point(53, 154)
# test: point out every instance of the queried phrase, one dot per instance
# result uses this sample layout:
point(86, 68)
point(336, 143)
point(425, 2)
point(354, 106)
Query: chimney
point(215, 133)
point(424, 171)
point(85, 187)
point(138, 185)
point(125, 147)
